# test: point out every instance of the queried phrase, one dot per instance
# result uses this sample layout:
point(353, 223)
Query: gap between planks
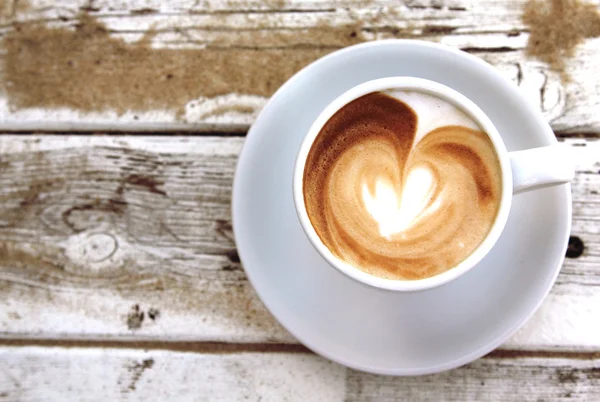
point(242, 347)
point(192, 132)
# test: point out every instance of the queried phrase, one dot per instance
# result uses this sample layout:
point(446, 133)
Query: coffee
point(402, 185)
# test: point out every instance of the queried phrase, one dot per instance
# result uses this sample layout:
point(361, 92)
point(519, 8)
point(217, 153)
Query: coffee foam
point(402, 185)
point(396, 213)
point(432, 112)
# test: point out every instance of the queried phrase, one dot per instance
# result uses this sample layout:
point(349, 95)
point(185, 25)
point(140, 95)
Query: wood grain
point(491, 29)
point(118, 270)
point(119, 237)
point(487, 379)
point(108, 374)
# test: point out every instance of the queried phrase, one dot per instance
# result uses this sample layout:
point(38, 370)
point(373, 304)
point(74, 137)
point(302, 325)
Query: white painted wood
point(488, 379)
point(91, 226)
point(491, 29)
point(129, 238)
point(34, 374)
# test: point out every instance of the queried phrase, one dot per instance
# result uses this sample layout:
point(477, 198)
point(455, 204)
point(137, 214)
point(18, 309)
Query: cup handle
point(541, 167)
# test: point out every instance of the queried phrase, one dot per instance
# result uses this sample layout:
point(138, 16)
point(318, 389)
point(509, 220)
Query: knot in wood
point(98, 247)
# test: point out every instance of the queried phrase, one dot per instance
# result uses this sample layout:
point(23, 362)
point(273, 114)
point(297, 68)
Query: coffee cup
point(404, 184)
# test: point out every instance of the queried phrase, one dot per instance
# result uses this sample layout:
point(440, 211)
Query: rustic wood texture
point(119, 236)
point(34, 374)
point(119, 276)
point(302, 30)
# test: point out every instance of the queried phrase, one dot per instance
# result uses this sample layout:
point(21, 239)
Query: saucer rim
point(467, 358)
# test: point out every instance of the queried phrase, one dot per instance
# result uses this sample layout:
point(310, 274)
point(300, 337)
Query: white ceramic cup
point(521, 170)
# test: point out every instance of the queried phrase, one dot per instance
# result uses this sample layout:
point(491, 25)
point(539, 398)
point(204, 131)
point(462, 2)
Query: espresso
point(402, 185)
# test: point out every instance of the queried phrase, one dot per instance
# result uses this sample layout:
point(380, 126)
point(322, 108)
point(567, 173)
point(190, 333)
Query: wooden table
point(119, 276)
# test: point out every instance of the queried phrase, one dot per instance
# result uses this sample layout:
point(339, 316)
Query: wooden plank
point(487, 379)
point(31, 374)
point(108, 374)
point(130, 238)
point(225, 58)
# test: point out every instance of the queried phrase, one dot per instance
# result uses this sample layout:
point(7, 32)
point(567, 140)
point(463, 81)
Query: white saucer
point(369, 329)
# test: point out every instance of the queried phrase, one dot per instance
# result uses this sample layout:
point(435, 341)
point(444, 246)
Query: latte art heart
point(396, 213)
point(401, 192)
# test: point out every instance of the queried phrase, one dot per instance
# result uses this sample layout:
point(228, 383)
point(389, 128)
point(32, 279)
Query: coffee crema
point(402, 185)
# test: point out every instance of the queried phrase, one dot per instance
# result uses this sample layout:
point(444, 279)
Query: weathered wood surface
point(130, 237)
point(121, 247)
point(33, 374)
point(288, 29)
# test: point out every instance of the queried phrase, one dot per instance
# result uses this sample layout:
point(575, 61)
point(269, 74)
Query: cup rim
point(449, 95)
